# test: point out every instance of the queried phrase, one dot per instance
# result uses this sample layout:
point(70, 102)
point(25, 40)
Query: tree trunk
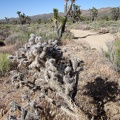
point(65, 6)
point(64, 23)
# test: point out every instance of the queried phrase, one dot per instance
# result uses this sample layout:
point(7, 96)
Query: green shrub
point(114, 53)
point(4, 63)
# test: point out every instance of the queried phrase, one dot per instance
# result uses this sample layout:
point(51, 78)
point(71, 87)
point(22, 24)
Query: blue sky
point(8, 8)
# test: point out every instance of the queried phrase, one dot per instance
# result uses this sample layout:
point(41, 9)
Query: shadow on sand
point(88, 35)
point(102, 91)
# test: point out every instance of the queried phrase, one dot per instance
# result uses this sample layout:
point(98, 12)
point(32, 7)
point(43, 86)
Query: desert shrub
point(116, 54)
point(104, 30)
point(67, 35)
point(51, 35)
point(107, 18)
point(5, 30)
point(113, 53)
point(66, 38)
point(96, 25)
point(18, 38)
point(10, 40)
point(114, 30)
point(4, 63)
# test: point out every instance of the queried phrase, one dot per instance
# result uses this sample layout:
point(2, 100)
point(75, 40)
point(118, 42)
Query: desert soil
point(94, 39)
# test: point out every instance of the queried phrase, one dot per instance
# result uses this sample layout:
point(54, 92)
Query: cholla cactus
point(12, 117)
point(47, 72)
point(13, 106)
point(16, 78)
point(51, 70)
point(71, 77)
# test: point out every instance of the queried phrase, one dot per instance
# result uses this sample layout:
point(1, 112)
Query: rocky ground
point(98, 91)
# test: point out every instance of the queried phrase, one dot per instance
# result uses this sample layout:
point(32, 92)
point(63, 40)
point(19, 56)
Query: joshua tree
point(14, 22)
point(93, 13)
point(7, 20)
point(61, 29)
point(70, 7)
point(19, 13)
point(55, 17)
point(65, 5)
point(28, 19)
point(115, 13)
point(65, 18)
point(49, 20)
point(75, 13)
point(20, 16)
point(38, 21)
point(23, 18)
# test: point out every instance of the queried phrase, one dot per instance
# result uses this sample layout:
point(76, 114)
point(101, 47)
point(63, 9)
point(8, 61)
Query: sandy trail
point(94, 39)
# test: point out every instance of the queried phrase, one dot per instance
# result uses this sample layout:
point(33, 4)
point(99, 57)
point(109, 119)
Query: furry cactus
point(48, 75)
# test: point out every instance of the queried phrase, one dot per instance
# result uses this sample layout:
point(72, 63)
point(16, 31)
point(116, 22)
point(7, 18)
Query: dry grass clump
point(113, 53)
point(81, 25)
point(4, 64)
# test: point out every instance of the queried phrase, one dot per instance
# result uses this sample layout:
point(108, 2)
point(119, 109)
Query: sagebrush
point(4, 63)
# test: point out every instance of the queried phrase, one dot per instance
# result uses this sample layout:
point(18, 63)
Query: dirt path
point(94, 39)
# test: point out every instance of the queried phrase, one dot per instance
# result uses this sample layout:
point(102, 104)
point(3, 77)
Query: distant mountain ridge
point(101, 12)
